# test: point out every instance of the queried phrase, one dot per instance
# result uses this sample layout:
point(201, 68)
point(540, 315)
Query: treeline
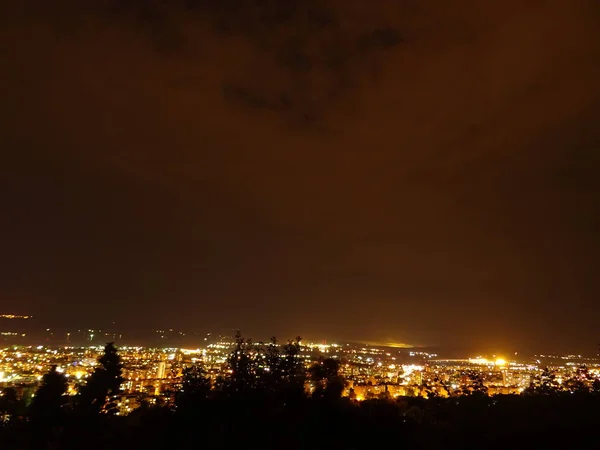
point(261, 402)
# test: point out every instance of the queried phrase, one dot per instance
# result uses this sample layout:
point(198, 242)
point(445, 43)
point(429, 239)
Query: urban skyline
point(23, 330)
point(153, 374)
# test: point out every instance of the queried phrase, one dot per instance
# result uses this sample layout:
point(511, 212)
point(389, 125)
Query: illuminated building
point(160, 372)
point(371, 372)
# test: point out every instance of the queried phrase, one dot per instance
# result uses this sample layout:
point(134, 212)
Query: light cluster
point(153, 374)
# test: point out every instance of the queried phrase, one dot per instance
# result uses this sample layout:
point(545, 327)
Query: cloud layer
point(410, 171)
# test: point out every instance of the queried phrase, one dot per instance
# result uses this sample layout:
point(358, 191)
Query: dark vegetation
point(262, 403)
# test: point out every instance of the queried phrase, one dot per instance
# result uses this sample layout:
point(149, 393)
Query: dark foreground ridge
point(270, 400)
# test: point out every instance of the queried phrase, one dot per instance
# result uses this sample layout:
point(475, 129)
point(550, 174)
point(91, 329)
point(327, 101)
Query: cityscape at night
point(299, 224)
point(153, 373)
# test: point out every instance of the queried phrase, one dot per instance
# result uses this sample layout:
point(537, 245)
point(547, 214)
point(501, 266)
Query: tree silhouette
point(283, 375)
point(195, 387)
point(111, 365)
point(47, 406)
point(293, 371)
point(271, 374)
point(9, 403)
point(596, 386)
point(475, 385)
point(104, 383)
point(352, 394)
point(544, 384)
point(243, 376)
point(429, 389)
point(327, 381)
point(579, 381)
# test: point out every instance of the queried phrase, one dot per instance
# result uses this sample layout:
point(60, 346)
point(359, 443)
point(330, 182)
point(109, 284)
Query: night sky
point(417, 171)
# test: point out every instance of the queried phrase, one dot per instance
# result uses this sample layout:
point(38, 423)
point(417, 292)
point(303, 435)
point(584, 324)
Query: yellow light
point(500, 362)
point(479, 361)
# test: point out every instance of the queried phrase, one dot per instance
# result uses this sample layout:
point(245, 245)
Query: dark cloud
point(412, 171)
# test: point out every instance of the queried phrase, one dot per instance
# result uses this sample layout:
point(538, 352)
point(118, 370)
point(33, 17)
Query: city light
point(151, 373)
